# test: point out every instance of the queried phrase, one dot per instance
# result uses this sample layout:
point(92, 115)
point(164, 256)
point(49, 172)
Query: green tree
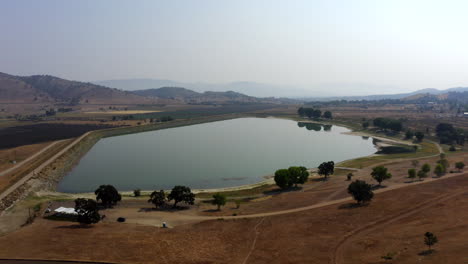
point(439, 170)
point(326, 168)
point(87, 211)
point(426, 168)
point(365, 124)
point(380, 174)
point(108, 195)
point(181, 194)
point(460, 165)
point(157, 198)
point(430, 240)
point(412, 174)
point(137, 192)
point(419, 136)
point(327, 114)
point(219, 200)
point(298, 175)
point(421, 174)
point(445, 163)
point(361, 191)
point(409, 134)
point(283, 178)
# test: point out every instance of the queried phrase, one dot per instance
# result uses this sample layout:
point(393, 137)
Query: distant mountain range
point(247, 88)
point(430, 91)
point(50, 90)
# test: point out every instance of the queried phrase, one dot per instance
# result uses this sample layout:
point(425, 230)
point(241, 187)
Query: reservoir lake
point(211, 155)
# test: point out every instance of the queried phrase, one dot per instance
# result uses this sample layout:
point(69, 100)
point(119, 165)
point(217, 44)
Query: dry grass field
point(394, 221)
point(392, 224)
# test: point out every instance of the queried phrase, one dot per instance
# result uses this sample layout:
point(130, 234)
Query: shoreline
point(73, 160)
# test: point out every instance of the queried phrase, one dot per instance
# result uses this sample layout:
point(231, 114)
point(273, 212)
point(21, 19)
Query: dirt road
point(43, 165)
point(19, 164)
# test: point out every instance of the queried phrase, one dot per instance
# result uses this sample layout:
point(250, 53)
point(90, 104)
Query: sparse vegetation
point(380, 174)
point(430, 240)
point(157, 198)
point(219, 200)
point(87, 211)
point(326, 168)
point(361, 191)
point(181, 194)
point(108, 195)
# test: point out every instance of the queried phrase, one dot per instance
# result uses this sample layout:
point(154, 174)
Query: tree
point(409, 134)
point(426, 168)
point(430, 239)
point(327, 114)
point(298, 175)
point(365, 124)
point(219, 200)
point(421, 174)
point(283, 178)
point(412, 174)
point(301, 111)
point(439, 170)
point(181, 194)
point(87, 211)
point(415, 163)
point(108, 195)
point(445, 163)
point(419, 136)
point(380, 174)
point(460, 165)
point(326, 168)
point(349, 176)
point(361, 191)
point(157, 198)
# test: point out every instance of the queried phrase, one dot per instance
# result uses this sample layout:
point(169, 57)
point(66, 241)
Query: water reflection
point(365, 137)
point(327, 127)
point(314, 126)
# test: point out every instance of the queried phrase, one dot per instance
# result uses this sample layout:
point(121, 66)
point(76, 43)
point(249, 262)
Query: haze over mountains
point(49, 90)
point(267, 90)
point(248, 88)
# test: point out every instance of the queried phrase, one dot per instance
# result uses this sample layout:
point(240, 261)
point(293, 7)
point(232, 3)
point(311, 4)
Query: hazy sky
point(344, 46)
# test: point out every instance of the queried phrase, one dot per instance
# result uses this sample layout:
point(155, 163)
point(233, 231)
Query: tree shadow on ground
point(352, 205)
point(211, 210)
point(279, 190)
point(167, 208)
point(321, 179)
point(75, 226)
point(426, 252)
point(376, 187)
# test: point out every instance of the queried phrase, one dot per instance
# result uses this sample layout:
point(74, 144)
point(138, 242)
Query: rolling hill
point(40, 89)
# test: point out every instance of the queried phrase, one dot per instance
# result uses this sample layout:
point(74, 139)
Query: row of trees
point(286, 178)
point(88, 209)
point(411, 134)
point(440, 168)
point(178, 194)
point(388, 123)
point(448, 134)
point(313, 113)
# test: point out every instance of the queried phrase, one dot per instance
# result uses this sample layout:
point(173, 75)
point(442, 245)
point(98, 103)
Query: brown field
point(394, 222)
point(128, 112)
point(19, 154)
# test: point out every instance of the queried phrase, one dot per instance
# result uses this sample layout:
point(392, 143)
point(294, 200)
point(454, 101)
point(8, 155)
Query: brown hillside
point(14, 90)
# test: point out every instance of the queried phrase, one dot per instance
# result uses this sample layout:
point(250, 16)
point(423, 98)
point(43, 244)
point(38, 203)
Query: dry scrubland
point(394, 222)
